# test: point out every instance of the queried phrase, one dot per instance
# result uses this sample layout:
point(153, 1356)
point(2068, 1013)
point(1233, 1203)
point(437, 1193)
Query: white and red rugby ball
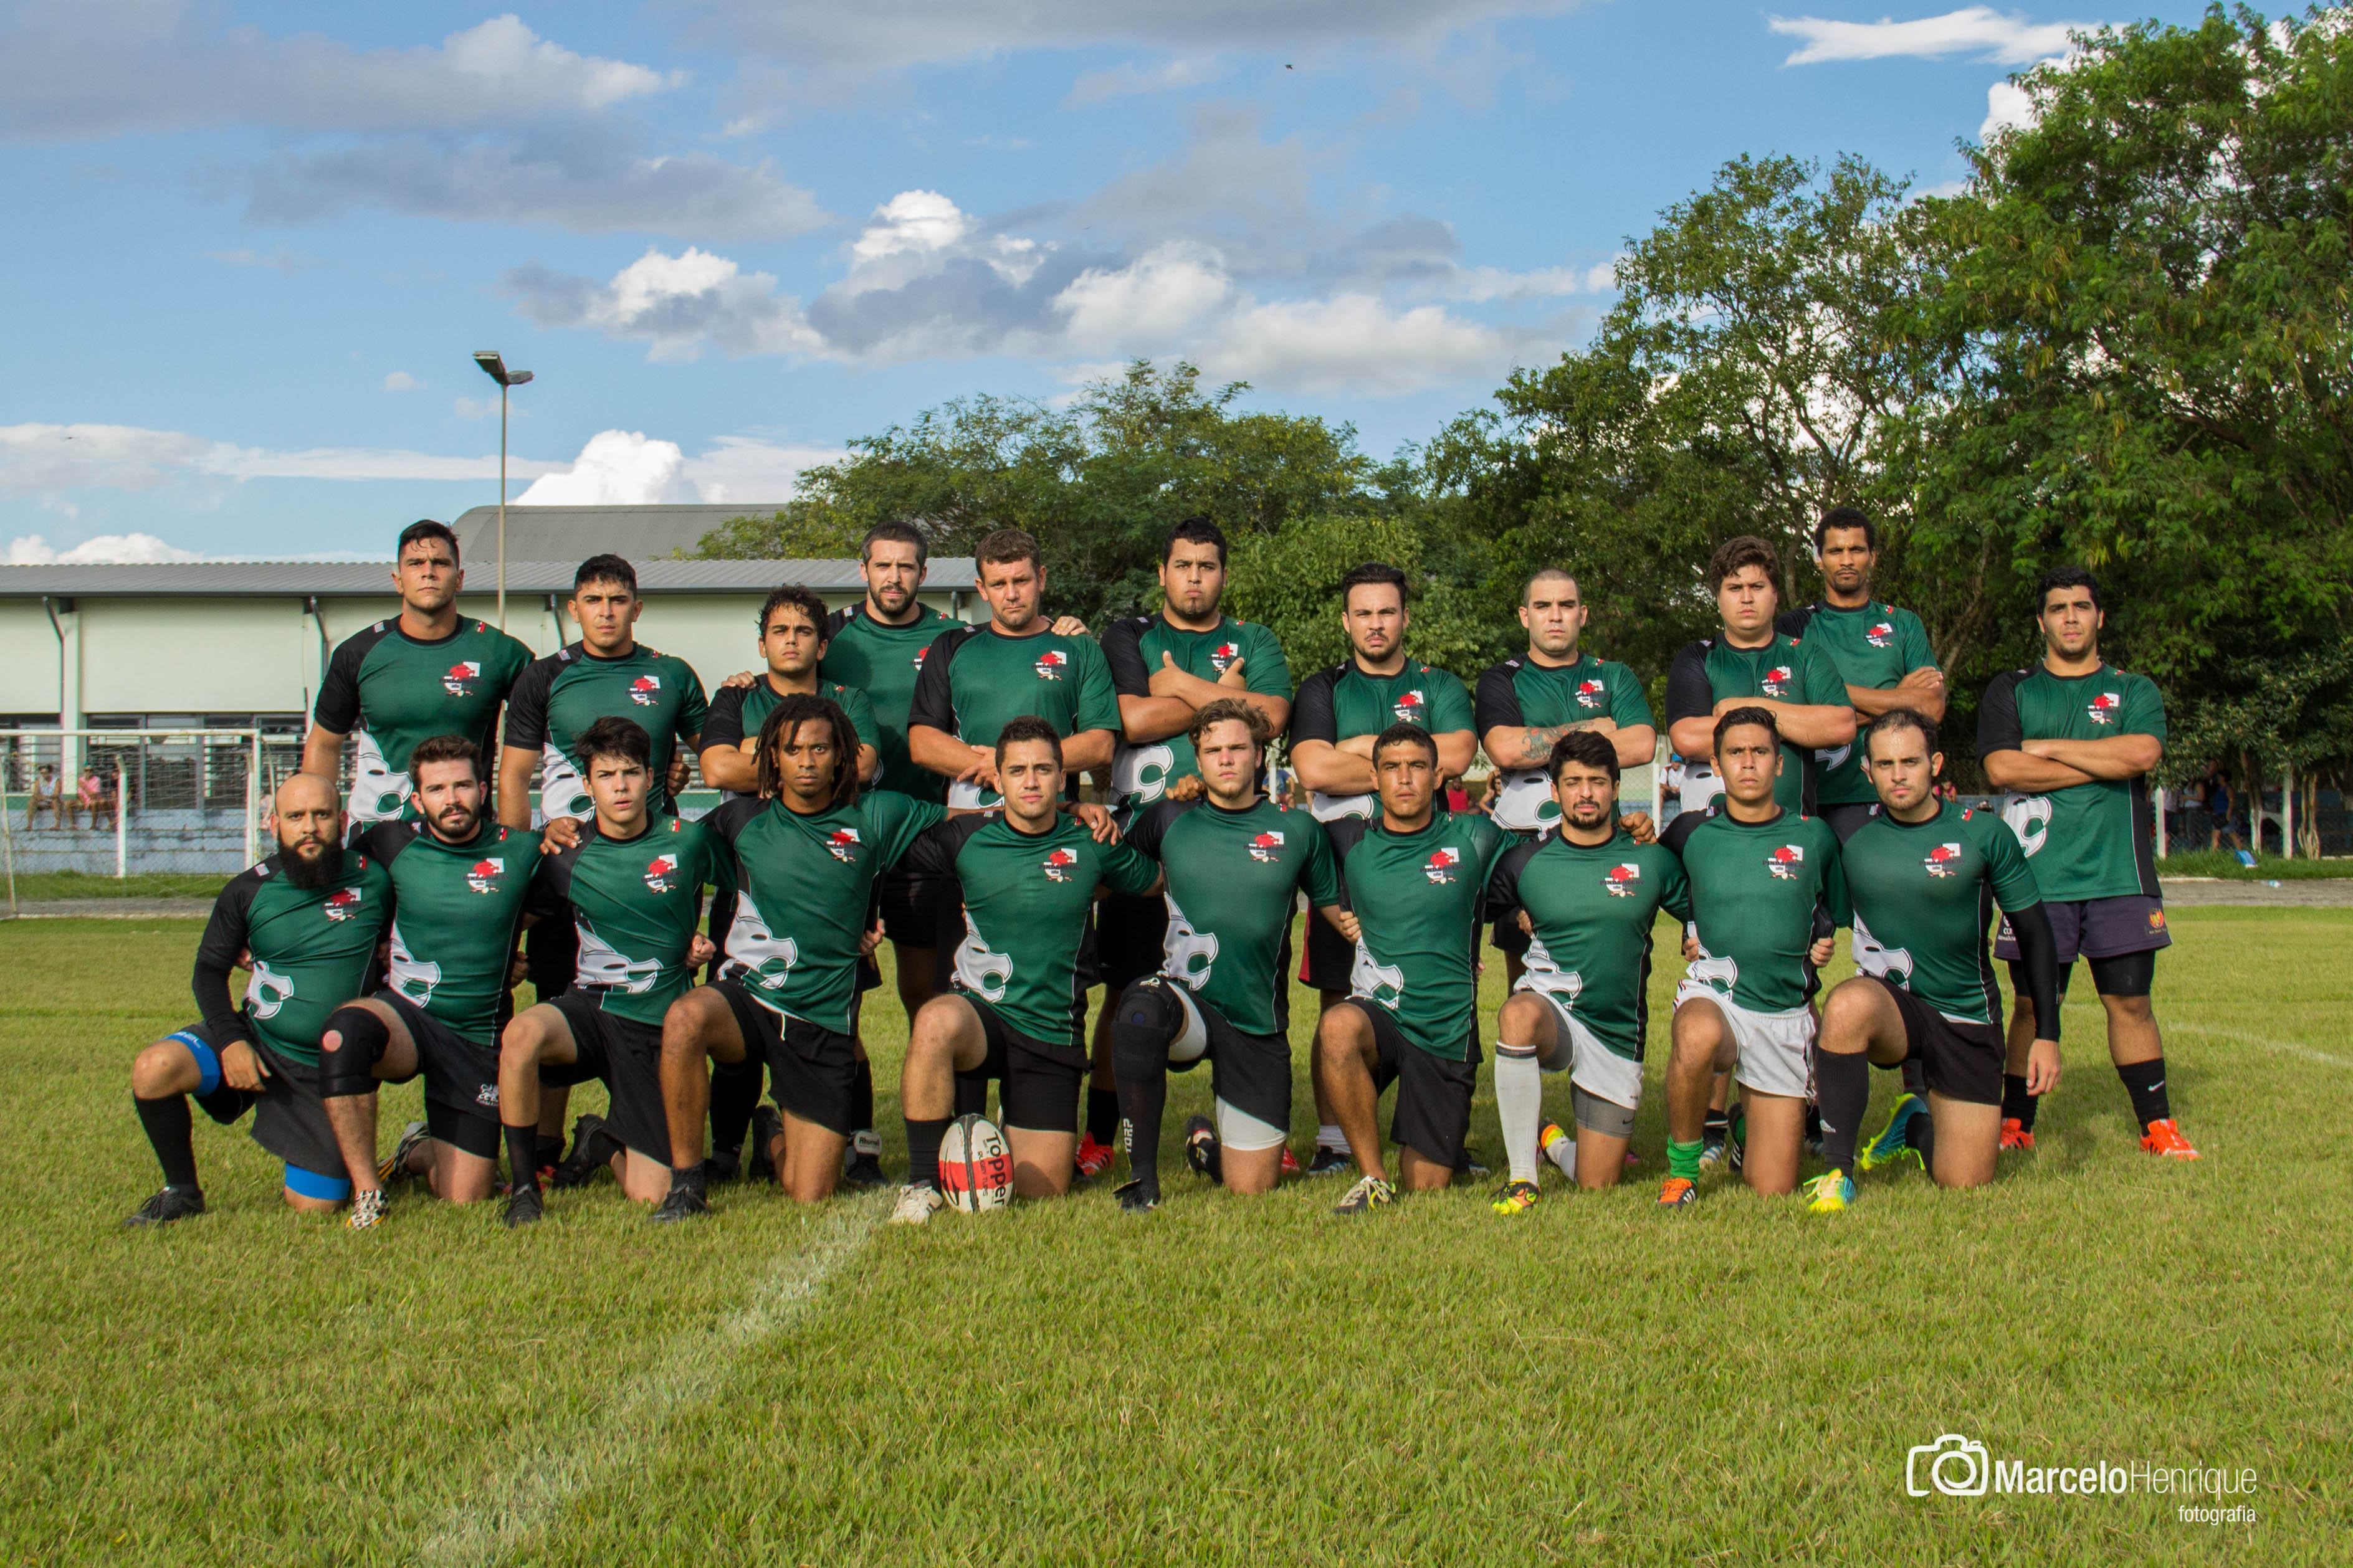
point(975, 1167)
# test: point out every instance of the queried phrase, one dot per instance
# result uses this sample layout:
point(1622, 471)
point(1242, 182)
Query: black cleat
point(724, 1165)
point(1328, 1161)
point(863, 1166)
point(767, 1126)
point(593, 1149)
point(171, 1203)
point(524, 1207)
point(1137, 1197)
point(1469, 1167)
point(1202, 1150)
point(685, 1202)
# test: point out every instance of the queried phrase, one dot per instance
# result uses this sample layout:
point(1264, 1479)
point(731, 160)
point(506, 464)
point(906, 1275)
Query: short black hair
point(445, 749)
point(1846, 517)
point(1529, 588)
point(895, 533)
point(614, 736)
point(606, 569)
point(793, 595)
point(2065, 577)
point(1587, 746)
point(1028, 727)
point(1370, 573)
point(1901, 719)
point(1405, 735)
point(784, 719)
point(1198, 528)
point(1735, 717)
point(426, 528)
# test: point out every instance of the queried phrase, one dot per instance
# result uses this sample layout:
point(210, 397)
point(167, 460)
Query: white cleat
point(917, 1204)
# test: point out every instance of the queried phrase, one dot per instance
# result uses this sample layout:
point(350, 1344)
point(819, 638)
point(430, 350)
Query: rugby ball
point(975, 1167)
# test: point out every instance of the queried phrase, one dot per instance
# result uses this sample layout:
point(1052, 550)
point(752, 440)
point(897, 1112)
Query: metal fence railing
point(114, 802)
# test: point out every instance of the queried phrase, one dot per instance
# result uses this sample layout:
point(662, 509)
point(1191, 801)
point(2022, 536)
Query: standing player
point(1017, 1011)
point(422, 673)
point(1591, 896)
point(1166, 669)
point(464, 885)
point(309, 918)
point(807, 850)
point(1415, 882)
point(2074, 740)
point(1924, 874)
point(1765, 897)
point(1881, 653)
point(1233, 866)
point(633, 881)
point(1526, 704)
point(792, 642)
point(1334, 723)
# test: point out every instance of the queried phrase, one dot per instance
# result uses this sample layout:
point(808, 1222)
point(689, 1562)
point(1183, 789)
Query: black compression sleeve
point(2040, 951)
point(216, 953)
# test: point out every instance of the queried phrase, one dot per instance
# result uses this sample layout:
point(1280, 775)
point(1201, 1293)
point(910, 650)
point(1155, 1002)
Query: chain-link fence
point(115, 803)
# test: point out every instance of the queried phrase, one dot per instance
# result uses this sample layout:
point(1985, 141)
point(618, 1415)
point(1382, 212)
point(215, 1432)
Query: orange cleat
point(1677, 1192)
point(1094, 1158)
point(2164, 1138)
point(2014, 1134)
point(1290, 1162)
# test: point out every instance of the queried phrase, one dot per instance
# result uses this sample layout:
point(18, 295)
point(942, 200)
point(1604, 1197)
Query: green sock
point(1682, 1160)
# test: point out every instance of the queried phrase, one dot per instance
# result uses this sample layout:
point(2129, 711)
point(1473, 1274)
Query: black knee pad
point(1145, 1019)
point(348, 1068)
point(2125, 974)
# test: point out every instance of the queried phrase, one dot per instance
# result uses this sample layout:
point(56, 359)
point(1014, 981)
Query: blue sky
point(252, 258)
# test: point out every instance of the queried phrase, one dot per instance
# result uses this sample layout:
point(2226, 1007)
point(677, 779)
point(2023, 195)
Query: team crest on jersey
point(1409, 706)
point(1589, 692)
point(2105, 708)
point(920, 653)
point(645, 690)
point(1620, 881)
point(483, 876)
point(458, 681)
point(1776, 680)
point(1051, 664)
point(658, 872)
point(342, 903)
point(1784, 862)
point(1224, 654)
point(843, 845)
point(1265, 847)
point(1881, 636)
point(1058, 866)
point(1943, 858)
point(1443, 865)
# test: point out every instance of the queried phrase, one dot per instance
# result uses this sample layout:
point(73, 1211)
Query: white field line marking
point(623, 1431)
point(2287, 1047)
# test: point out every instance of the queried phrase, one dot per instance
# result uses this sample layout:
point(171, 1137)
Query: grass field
point(1247, 1381)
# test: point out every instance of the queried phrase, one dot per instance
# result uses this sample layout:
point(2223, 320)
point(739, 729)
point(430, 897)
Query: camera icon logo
point(1953, 1464)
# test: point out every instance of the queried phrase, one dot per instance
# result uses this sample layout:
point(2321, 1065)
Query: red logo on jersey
point(2105, 708)
point(920, 653)
point(1263, 846)
point(1621, 881)
point(1942, 858)
point(342, 903)
point(1051, 663)
point(1409, 706)
point(1880, 635)
point(464, 670)
point(659, 871)
point(843, 845)
point(1442, 863)
point(1776, 680)
point(1784, 862)
point(1058, 866)
point(645, 690)
point(1589, 693)
point(483, 876)
point(1224, 654)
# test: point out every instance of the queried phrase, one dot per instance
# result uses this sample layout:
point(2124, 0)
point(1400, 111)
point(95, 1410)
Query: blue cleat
point(1894, 1141)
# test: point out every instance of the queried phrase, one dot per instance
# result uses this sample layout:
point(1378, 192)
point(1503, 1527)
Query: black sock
point(171, 1129)
point(861, 1099)
point(2017, 1105)
point(924, 1151)
point(1843, 1086)
point(972, 1095)
point(734, 1095)
point(1718, 1124)
point(2144, 1081)
point(1915, 1077)
point(523, 1156)
point(1920, 1132)
point(1103, 1115)
point(1143, 1069)
point(547, 1152)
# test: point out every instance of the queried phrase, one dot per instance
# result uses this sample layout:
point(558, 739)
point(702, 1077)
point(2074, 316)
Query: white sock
point(1562, 1152)
point(1329, 1136)
point(1519, 1106)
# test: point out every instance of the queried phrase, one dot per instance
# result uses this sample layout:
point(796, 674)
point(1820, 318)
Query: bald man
point(308, 921)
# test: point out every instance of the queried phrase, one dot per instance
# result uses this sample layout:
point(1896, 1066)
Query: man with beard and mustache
point(307, 919)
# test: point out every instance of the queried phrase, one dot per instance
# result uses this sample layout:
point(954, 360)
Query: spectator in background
point(86, 793)
point(109, 797)
point(1947, 790)
point(48, 795)
point(2218, 808)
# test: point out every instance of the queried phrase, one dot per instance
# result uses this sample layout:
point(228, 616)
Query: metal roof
point(576, 532)
point(258, 579)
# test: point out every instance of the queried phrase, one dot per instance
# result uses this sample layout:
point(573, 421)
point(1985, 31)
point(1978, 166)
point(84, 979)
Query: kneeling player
point(1018, 1005)
point(1415, 883)
point(1923, 875)
point(634, 881)
point(1591, 895)
point(309, 917)
point(1233, 866)
point(1765, 897)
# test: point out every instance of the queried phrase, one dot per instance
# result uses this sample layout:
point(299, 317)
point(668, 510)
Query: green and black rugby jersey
point(571, 689)
point(738, 711)
point(1026, 901)
point(1922, 895)
point(882, 660)
point(1876, 646)
point(1593, 908)
point(1346, 700)
point(1233, 877)
point(1418, 898)
point(458, 909)
point(975, 679)
point(636, 903)
point(1521, 693)
point(391, 690)
point(804, 885)
point(1707, 672)
point(312, 950)
point(1132, 647)
point(1761, 893)
point(2094, 841)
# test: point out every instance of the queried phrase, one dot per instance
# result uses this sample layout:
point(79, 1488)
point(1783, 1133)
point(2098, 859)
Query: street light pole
point(496, 369)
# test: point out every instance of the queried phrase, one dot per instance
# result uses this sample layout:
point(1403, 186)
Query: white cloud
point(46, 459)
point(475, 408)
point(1094, 86)
point(34, 550)
point(1483, 284)
point(1979, 32)
point(915, 231)
point(401, 380)
point(1146, 304)
point(681, 304)
point(1355, 343)
point(2008, 107)
point(616, 467)
point(745, 469)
